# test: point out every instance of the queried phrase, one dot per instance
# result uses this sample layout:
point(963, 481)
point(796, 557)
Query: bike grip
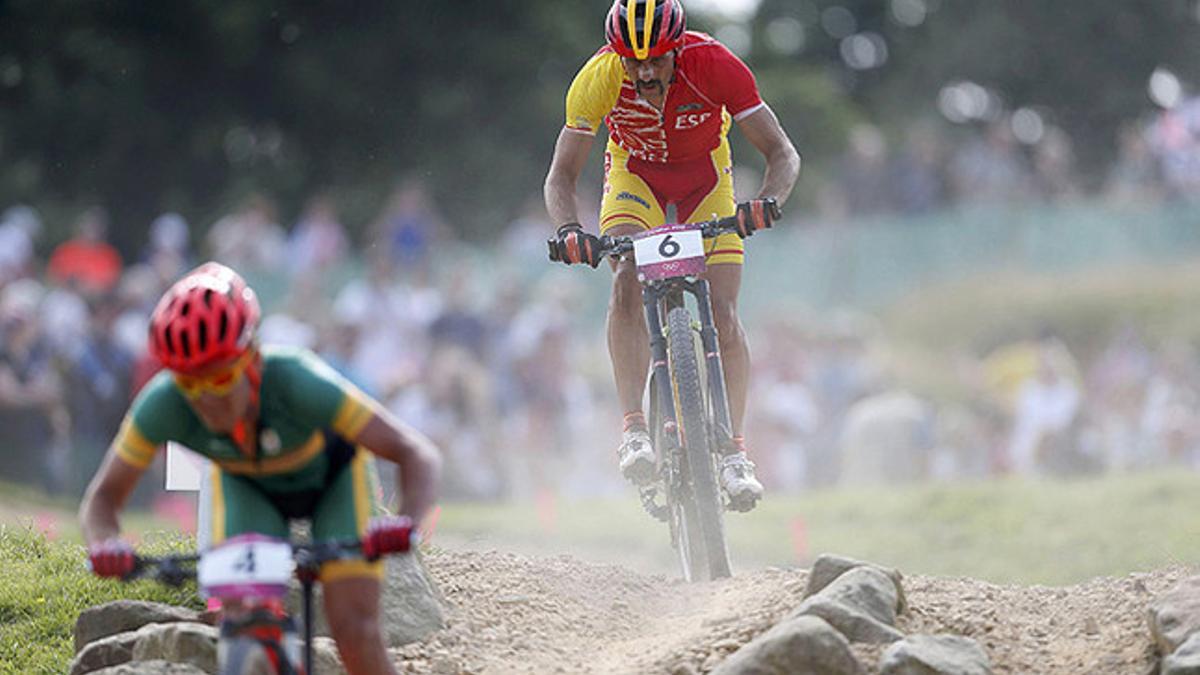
point(555, 255)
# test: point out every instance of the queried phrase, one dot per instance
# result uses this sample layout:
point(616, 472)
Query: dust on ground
point(514, 613)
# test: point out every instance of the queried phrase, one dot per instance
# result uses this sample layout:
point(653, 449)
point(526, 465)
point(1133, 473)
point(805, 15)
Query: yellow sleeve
point(132, 446)
point(594, 92)
point(354, 413)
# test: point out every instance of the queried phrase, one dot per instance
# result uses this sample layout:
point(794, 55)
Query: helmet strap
point(241, 430)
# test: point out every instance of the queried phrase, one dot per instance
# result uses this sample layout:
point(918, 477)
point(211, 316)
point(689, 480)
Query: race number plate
point(669, 251)
point(258, 567)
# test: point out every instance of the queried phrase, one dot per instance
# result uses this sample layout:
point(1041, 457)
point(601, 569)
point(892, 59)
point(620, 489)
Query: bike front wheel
point(247, 656)
point(697, 506)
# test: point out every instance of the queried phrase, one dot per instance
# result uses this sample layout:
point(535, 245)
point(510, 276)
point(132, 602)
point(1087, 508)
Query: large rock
point(1174, 616)
point(935, 655)
point(829, 567)
point(125, 615)
point(411, 605)
point(802, 645)
point(110, 650)
point(1185, 660)
point(887, 438)
point(152, 668)
point(860, 603)
point(194, 643)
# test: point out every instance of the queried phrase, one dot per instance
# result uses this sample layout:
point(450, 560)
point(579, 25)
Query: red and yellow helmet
point(208, 316)
point(643, 29)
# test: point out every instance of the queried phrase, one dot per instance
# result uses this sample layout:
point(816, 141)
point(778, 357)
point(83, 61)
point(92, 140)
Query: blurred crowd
point(477, 353)
point(1010, 159)
point(829, 409)
point(490, 353)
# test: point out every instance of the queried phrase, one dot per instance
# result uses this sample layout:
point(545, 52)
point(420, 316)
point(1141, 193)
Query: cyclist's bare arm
point(570, 154)
point(418, 458)
point(105, 497)
point(764, 132)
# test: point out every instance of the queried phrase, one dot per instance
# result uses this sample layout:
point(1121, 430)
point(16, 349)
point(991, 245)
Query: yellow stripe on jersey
point(354, 413)
point(275, 465)
point(594, 92)
point(132, 446)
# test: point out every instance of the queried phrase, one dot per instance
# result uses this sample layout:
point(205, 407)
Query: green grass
point(43, 588)
point(1008, 531)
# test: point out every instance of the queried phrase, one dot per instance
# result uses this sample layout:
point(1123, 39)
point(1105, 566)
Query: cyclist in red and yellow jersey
point(668, 97)
point(287, 437)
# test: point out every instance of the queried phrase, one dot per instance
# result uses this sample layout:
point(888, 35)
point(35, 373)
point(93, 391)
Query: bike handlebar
point(175, 569)
point(614, 246)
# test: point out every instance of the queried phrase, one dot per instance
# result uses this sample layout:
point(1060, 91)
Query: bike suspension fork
point(722, 420)
point(658, 364)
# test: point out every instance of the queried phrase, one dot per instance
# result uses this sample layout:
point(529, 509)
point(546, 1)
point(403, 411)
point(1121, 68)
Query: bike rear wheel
point(697, 508)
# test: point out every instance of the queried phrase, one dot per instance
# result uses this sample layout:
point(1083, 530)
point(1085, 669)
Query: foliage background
point(187, 105)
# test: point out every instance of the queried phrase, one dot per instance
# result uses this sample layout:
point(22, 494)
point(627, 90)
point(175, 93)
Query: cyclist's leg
point(352, 586)
point(724, 275)
point(628, 207)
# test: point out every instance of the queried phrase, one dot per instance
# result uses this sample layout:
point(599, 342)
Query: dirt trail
point(511, 613)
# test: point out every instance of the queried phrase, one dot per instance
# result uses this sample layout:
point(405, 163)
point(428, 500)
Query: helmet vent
point(208, 298)
point(223, 327)
point(202, 340)
point(185, 347)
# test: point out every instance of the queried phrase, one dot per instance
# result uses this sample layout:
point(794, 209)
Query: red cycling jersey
point(711, 87)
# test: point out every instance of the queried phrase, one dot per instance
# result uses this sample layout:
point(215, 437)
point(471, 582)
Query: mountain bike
point(250, 574)
point(688, 416)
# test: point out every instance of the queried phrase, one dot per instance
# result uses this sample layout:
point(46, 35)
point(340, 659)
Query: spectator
point(87, 261)
point(1047, 404)
point(916, 173)
point(97, 393)
point(169, 251)
point(318, 240)
point(408, 225)
point(863, 173)
point(250, 238)
point(19, 229)
point(32, 414)
point(1175, 139)
point(1134, 177)
point(989, 168)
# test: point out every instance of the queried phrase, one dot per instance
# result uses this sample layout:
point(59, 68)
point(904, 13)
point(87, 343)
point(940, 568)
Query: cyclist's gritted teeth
point(649, 87)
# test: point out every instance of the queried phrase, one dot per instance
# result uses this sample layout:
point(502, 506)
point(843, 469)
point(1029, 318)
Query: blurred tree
point(188, 105)
point(1083, 63)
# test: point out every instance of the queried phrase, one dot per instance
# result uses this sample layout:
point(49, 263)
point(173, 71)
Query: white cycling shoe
point(636, 455)
point(738, 481)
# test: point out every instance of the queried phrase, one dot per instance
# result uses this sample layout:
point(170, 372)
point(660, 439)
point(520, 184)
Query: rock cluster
point(849, 601)
point(144, 638)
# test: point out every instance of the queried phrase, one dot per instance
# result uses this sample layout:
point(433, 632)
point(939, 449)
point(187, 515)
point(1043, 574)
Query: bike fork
point(658, 364)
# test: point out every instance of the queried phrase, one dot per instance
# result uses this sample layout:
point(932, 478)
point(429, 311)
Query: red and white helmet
point(632, 35)
point(208, 316)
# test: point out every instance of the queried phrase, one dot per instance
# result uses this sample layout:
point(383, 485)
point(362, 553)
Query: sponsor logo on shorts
point(629, 196)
